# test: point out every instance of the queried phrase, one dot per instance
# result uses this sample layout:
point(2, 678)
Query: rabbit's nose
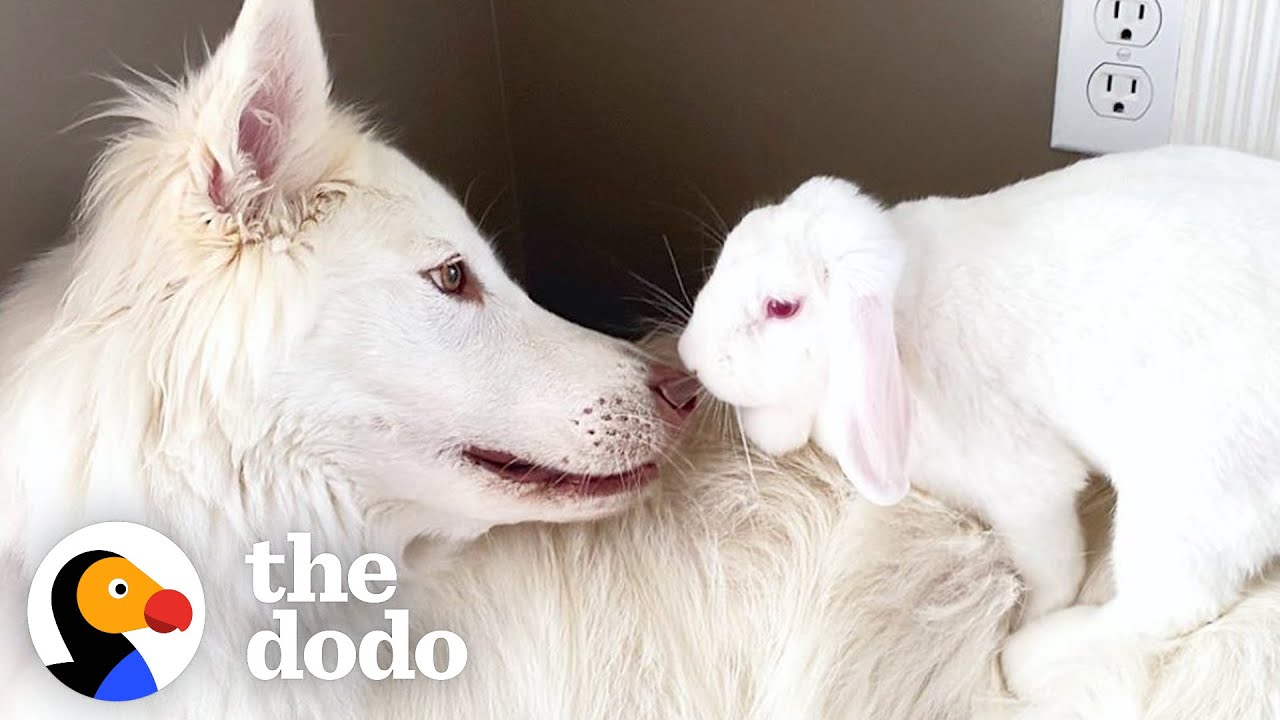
point(675, 393)
point(685, 349)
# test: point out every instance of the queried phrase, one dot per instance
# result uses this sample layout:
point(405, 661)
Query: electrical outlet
point(1120, 91)
point(1128, 22)
point(1117, 74)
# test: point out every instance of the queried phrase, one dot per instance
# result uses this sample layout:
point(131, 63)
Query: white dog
point(269, 321)
point(262, 326)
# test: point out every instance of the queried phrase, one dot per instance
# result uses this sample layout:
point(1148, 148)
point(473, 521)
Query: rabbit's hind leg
point(1185, 547)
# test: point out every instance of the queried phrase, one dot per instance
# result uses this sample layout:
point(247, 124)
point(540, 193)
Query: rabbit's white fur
point(1120, 316)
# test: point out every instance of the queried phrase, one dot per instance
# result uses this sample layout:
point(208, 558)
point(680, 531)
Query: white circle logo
point(116, 611)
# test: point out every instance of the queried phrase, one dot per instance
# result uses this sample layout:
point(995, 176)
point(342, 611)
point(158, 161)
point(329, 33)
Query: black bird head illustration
point(98, 596)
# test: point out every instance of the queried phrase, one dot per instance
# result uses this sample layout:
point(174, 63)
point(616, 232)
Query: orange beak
point(167, 610)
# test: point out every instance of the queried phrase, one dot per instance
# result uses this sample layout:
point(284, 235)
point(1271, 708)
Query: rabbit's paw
point(1074, 664)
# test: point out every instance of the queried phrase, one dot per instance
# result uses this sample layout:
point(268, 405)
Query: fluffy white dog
point(269, 321)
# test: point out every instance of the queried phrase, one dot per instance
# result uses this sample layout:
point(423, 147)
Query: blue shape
point(130, 679)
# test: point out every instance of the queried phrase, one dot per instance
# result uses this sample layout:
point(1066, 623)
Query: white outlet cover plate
point(1081, 49)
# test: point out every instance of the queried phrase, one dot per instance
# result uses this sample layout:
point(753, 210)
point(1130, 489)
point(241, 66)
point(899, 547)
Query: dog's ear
point(262, 106)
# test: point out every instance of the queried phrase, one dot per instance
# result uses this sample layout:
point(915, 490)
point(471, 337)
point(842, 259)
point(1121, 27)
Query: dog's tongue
point(514, 468)
point(681, 392)
point(497, 457)
point(676, 392)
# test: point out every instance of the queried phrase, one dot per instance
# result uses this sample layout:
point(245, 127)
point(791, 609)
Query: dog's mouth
point(517, 470)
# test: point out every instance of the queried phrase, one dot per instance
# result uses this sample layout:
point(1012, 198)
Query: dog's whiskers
point(466, 194)
point(723, 227)
point(674, 305)
point(489, 208)
point(675, 270)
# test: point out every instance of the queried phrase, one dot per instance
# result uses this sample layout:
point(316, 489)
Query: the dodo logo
point(116, 611)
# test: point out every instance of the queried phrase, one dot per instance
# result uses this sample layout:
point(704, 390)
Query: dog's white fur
point(212, 384)
point(1117, 317)
point(795, 599)
point(247, 336)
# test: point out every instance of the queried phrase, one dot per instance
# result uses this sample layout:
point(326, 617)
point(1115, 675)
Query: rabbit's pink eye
point(780, 309)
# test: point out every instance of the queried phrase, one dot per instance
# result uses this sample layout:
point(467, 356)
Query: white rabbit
point(1120, 316)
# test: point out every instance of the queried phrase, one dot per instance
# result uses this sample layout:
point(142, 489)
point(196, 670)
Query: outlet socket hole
point(1118, 108)
point(1126, 34)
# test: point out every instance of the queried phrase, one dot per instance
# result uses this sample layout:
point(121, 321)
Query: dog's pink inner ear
point(259, 140)
point(277, 107)
point(259, 132)
point(271, 77)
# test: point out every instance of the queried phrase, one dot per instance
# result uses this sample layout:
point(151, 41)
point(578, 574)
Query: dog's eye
point(118, 588)
point(776, 309)
point(449, 278)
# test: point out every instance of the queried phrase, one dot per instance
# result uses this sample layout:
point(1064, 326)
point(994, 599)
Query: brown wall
point(625, 114)
point(428, 68)
point(629, 121)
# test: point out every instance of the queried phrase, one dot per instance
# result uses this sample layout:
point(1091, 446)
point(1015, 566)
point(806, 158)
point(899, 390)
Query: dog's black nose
point(675, 392)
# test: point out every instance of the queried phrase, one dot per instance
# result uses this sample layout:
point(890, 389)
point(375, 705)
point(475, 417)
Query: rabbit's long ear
point(866, 415)
point(867, 399)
